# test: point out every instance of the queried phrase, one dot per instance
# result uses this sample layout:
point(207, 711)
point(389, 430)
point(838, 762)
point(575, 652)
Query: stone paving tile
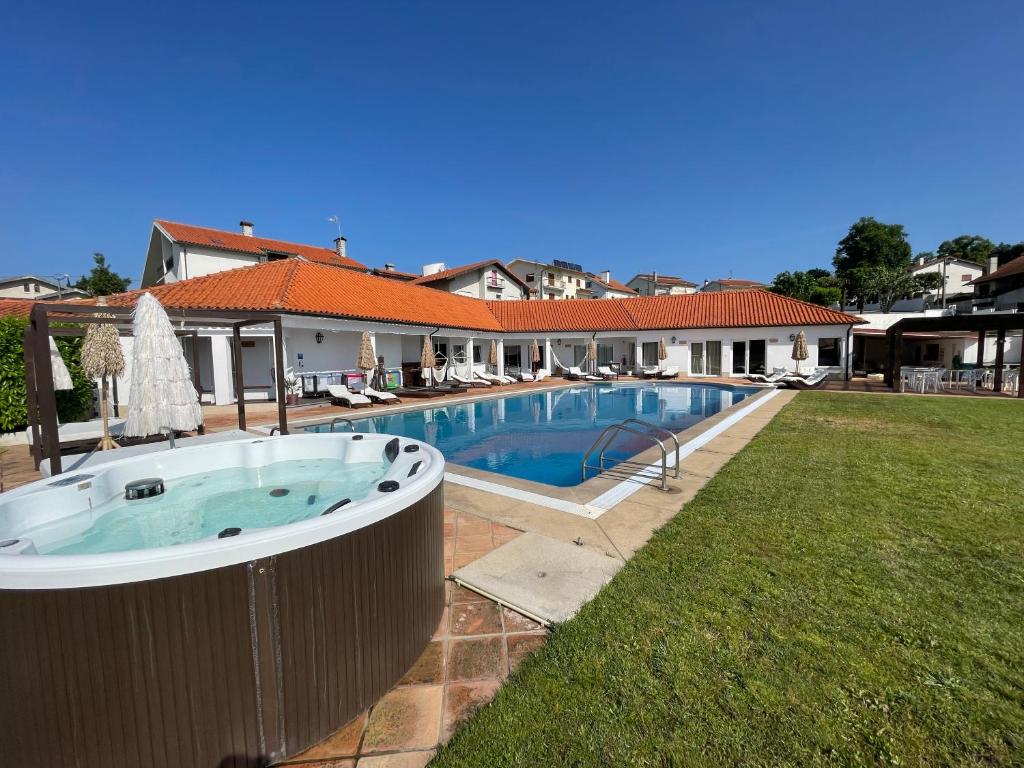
point(428, 668)
point(462, 595)
point(462, 701)
point(476, 659)
point(416, 759)
point(478, 618)
point(521, 646)
point(406, 718)
point(516, 622)
point(342, 743)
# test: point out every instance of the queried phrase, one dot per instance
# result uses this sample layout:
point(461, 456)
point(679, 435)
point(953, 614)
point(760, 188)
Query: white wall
point(193, 261)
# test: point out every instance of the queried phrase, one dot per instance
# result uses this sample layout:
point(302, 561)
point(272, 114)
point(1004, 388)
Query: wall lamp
point(319, 337)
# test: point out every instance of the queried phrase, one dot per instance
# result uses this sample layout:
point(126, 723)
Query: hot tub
point(274, 589)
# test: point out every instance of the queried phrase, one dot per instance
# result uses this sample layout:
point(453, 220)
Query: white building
point(656, 284)
point(604, 286)
point(36, 288)
point(558, 280)
point(183, 251)
point(489, 279)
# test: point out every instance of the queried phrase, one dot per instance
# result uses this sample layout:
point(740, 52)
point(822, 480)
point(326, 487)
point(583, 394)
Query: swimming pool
point(542, 436)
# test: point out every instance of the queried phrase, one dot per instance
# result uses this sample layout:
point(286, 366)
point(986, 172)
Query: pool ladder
point(342, 420)
point(633, 471)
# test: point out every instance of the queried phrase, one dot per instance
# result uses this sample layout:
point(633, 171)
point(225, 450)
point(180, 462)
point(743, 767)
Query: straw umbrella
point(427, 360)
point(534, 353)
point(592, 355)
point(162, 393)
point(102, 357)
point(800, 349)
point(662, 350)
point(61, 376)
point(366, 361)
point(492, 355)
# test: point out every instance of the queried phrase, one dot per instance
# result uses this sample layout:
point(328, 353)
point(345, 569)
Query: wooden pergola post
point(997, 381)
point(282, 414)
point(236, 351)
point(43, 371)
point(981, 350)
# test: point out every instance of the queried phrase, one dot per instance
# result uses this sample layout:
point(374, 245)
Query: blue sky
point(699, 139)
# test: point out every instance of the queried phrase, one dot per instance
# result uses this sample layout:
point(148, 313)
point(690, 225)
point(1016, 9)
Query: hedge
point(72, 405)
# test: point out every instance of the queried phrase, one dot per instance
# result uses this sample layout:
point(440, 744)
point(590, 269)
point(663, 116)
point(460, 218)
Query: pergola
point(982, 324)
point(42, 401)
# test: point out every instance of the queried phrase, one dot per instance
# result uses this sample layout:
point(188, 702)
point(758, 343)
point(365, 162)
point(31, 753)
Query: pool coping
point(597, 495)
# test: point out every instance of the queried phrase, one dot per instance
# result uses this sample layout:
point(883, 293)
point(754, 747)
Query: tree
point(102, 280)
point(886, 285)
point(817, 286)
point(1005, 253)
point(869, 244)
point(967, 247)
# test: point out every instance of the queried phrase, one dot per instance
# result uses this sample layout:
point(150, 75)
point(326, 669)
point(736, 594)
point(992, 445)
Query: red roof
point(300, 287)
point(1015, 267)
point(447, 274)
point(395, 274)
point(665, 280)
point(16, 307)
point(562, 315)
point(738, 283)
point(613, 285)
point(236, 241)
point(729, 309)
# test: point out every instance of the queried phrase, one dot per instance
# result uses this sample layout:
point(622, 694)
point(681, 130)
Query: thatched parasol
point(800, 349)
point(427, 360)
point(61, 376)
point(534, 352)
point(592, 354)
point(162, 394)
point(492, 355)
point(662, 350)
point(101, 358)
point(366, 361)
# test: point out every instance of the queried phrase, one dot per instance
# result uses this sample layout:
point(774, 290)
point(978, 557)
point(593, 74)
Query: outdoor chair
point(575, 374)
point(380, 397)
point(606, 373)
point(799, 382)
point(669, 373)
point(468, 382)
point(342, 395)
point(774, 376)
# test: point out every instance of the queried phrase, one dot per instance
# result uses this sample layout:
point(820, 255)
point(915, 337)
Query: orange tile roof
point(394, 274)
point(738, 283)
point(664, 280)
point(300, 287)
point(729, 309)
point(562, 315)
point(16, 307)
point(236, 241)
point(613, 284)
point(1015, 267)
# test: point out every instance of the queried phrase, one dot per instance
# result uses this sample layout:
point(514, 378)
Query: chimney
point(433, 269)
point(246, 227)
point(339, 246)
point(993, 264)
point(389, 267)
point(606, 276)
point(920, 261)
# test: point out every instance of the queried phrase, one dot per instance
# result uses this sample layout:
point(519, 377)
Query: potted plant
point(292, 389)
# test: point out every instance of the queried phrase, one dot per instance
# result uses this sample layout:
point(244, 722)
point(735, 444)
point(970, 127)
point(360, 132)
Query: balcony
point(495, 283)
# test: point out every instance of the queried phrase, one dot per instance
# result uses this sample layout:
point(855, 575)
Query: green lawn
point(848, 590)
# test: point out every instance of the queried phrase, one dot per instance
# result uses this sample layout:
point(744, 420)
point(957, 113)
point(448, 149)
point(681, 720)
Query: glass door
point(714, 354)
point(758, 357)
point(697, 358)
point(739, 357)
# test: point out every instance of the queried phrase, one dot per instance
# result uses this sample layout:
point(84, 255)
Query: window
point(551, 278)
point(650, 352)
point(965, 278)
point(828, 352)
point(739, 357)
point(27, 287)
point(529, 277)
point(440, 353)
point(551, 295)
point(513, 357)
point(579, 283)
point(37, 288)
point(605, 354)
point(697, 357)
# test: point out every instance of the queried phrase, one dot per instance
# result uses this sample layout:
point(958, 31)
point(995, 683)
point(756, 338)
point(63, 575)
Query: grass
point(849, 590)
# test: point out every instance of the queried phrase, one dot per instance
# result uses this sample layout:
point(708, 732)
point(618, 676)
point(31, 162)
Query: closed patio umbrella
point(592, 355)
point(102, 357)
point(427, 360)
point(534, 352)
point(61, 376)
point(662, 350)
point(162, 394)
point(800, 349)
point(492, 355)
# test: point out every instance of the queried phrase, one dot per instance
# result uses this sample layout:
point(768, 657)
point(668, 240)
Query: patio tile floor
point(476, 646)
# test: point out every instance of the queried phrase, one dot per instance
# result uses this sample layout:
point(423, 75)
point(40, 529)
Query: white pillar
point(501, 357)
point(548, 364)
point(638, 355)
point(223, 382)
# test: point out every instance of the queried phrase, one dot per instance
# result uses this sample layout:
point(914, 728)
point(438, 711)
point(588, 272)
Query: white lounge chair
point(669, 373)
point(606, 373)
point(576, 374)
point(490, 378)
point(799, 382)
point(380, 397)
point(540, 374)
point(650, 372)
point(468, 382)
point(774, 376)
point(342, 395)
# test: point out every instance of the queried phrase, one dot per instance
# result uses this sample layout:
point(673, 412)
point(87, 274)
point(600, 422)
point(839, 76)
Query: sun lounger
point(540, 374)
point(468, 382)
point(669, 373)
point(811, 382)
point(649, 373)
point(606, 373)
point(342, 395)
point(380, 397)
point(575, 374)
point(489, 378)
point(774, 376)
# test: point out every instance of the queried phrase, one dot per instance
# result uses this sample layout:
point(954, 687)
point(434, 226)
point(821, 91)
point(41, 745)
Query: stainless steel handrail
point(610, 433)
point(342, 420)
point(664, 431)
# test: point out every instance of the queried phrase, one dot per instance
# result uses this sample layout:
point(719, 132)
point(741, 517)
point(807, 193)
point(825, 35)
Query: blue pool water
point(542, 436)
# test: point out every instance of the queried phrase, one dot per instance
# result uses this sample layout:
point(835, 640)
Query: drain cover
point(143, 489)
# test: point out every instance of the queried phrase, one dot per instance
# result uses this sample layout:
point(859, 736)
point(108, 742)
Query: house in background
point(183, 251)
point(38, 288)
point(390, 272)
point(604, 286)
point(558, 280)
point(1002, 289)
point(731, 284)
point(489, 279)
point(661, 285)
